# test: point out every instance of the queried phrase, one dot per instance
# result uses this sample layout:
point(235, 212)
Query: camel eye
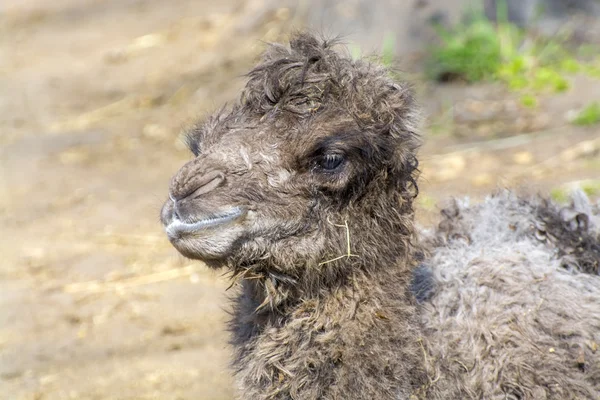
point(331, 162)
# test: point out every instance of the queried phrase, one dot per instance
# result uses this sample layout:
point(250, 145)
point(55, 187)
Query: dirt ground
point(94, 302)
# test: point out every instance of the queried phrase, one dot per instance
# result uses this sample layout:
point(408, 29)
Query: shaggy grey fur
point(303, 190)
point(509, 317)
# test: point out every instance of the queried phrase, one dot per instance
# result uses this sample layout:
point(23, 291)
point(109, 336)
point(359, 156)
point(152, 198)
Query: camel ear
point(405, 115)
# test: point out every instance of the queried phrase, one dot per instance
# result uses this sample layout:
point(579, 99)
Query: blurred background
point(94, 303)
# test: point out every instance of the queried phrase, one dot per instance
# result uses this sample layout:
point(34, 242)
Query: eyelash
point(330, 162)
point(192, 144)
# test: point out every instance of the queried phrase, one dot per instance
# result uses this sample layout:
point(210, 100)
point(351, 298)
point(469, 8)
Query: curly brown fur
point(569, 230)
point(303, 190)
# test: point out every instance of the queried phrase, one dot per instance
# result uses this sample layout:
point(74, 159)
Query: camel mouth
point(178, 228)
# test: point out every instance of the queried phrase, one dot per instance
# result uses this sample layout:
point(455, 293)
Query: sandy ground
point(94, 303)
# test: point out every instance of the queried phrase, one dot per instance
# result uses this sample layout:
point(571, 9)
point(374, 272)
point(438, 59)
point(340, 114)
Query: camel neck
point(369, 315)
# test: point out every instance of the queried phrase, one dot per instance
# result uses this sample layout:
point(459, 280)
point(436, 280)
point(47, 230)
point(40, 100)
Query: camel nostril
point(176, 213)
point(208, 185)
point(190, 185)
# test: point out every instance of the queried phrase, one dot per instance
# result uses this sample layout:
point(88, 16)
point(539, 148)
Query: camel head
point(317, 152)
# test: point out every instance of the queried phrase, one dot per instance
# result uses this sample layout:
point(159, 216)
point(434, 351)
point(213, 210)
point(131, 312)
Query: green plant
point(560, 195)
point(388, 50)
point(563, 194)
point(471, 51)
point(529, 100)
point(426, 202)
point(479, 50)
point(591, 187)
point(355, 51)
point(589, 115)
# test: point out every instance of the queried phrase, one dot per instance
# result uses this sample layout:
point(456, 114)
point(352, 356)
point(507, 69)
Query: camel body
point(303, 190)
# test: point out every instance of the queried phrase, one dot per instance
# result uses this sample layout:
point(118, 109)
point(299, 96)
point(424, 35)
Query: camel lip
point(177, 228)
